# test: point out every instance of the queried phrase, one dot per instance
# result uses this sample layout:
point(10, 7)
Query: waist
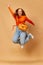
point(17, 23)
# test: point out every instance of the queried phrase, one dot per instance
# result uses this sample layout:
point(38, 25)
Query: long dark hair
point(23, 13)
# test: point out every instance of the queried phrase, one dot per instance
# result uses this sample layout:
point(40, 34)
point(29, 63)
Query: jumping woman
point(20, 35)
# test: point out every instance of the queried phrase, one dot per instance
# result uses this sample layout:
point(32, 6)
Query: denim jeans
point(20, 37)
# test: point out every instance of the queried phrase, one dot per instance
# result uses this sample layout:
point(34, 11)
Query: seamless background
point(33, 50)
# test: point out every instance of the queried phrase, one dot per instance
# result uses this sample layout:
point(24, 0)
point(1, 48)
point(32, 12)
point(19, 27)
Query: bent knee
point(14, 41)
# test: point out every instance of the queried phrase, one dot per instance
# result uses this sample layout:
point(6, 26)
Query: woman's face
point(20, 12)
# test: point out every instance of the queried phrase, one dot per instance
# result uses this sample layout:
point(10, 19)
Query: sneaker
point(31, 36)
point(22, 46)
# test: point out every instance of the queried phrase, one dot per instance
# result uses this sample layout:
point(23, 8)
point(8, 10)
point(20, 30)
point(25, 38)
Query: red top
point(20, 19)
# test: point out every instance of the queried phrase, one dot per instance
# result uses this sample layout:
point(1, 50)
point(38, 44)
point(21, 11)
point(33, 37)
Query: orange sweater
point(21, 19)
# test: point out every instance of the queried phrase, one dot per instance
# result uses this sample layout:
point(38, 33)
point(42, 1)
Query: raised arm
point(28, 20)
point(13, 14)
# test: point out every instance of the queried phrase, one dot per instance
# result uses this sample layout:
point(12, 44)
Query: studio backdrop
point(33, 50)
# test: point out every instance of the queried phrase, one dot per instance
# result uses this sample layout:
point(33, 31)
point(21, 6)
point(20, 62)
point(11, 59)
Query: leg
point(28, 37)
point(22, 38)
point(16, 36)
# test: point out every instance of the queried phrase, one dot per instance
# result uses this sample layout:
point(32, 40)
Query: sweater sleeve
point(29, 21)
point(13, 14)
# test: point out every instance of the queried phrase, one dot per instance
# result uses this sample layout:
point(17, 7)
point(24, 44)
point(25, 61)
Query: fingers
point(9, 4)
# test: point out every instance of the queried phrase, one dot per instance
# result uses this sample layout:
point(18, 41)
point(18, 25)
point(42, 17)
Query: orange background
point(33, 50)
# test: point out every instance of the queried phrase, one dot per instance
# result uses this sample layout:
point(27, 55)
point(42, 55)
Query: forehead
point(20, 10)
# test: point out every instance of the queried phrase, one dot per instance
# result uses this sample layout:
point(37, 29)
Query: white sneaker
point(31, 35)
point(22, 46)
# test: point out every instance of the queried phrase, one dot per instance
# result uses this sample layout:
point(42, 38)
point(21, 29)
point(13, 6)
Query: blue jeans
point(20, 37)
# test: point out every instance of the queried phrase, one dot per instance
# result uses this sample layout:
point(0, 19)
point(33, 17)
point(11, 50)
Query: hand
point(8, 5)
point(33, 24)
point(13, 27)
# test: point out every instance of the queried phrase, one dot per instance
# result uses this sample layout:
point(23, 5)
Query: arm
point(28, 20)
point(13, 14)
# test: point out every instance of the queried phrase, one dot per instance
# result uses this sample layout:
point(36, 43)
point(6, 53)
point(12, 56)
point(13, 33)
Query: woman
point(20, 17)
